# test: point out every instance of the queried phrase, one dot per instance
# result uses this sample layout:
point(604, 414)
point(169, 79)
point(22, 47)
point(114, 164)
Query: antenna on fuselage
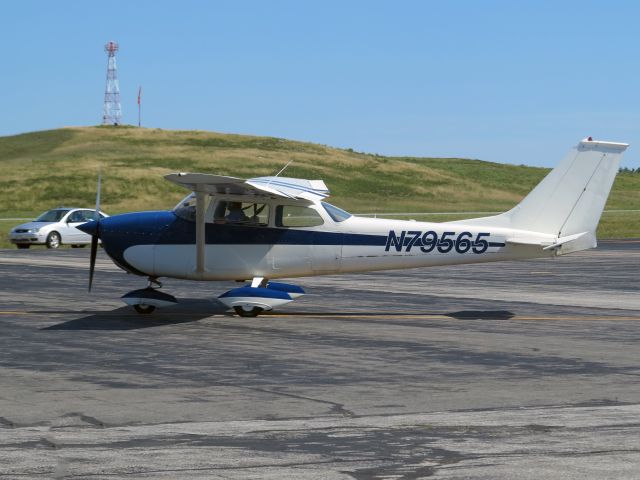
point(282, 170)
point(277, 174)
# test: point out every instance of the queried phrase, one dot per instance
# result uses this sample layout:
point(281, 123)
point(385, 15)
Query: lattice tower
point(112, 114)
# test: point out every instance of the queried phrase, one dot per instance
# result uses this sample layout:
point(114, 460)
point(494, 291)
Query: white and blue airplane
point(267, 228)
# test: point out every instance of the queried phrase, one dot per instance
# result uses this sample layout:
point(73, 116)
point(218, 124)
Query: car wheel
point(53, 240)
point(22, 245)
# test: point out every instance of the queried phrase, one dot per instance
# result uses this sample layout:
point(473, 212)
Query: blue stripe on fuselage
point(182, 232)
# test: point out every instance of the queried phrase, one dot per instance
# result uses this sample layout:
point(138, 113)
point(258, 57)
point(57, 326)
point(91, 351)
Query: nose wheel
point(146, 300)
point(144, 309)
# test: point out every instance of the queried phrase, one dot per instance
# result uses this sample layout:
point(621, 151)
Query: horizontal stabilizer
point(530, 241)
point(563, 240)
point(561, 246)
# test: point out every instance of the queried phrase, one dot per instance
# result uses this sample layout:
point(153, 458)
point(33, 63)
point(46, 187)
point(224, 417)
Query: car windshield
point(336, 213)
point(52, 215)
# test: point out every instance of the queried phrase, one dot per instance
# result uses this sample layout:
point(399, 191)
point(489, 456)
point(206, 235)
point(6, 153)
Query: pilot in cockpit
point(236, 214)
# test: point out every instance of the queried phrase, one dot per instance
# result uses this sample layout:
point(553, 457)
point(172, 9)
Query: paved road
point(509, 370)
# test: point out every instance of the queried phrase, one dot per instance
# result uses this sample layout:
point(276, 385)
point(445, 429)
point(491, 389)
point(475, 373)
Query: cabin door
point(326, 254)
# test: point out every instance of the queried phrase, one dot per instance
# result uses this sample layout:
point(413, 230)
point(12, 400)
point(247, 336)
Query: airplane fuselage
point(161, 244)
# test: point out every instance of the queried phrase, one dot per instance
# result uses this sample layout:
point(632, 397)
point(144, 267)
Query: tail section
point(570, 199)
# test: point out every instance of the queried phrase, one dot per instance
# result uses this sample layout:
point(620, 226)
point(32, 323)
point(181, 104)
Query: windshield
point(336, 213)
point(52, 215)
point(186, 209)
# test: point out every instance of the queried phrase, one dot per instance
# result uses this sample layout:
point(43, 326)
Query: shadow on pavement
point(192, 310)
point(481, 315)
point(461, 315)
point(125, 318)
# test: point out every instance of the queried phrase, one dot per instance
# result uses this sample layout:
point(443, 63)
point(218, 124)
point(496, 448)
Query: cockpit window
point(336, 213)
point(186, 209)
point(241, 213)
point(297, 216)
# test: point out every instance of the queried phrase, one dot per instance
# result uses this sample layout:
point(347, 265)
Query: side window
point(87, 215)
point(295, 216)
point(241, 213)
point(75, 217)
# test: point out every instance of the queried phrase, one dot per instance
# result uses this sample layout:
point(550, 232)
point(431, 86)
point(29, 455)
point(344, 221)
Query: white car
point(54, 228)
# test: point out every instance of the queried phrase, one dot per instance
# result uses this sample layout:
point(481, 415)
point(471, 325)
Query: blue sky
point(506, 81)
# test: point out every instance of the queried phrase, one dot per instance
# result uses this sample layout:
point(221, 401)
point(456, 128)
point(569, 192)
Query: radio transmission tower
point(112, 114)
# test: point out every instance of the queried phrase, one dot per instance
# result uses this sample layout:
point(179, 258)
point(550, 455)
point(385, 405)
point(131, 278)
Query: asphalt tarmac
point(525, 370)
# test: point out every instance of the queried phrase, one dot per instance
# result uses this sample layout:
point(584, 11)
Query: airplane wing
point(294, 188)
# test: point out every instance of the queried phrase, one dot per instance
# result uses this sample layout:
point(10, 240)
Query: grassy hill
point(46, 169)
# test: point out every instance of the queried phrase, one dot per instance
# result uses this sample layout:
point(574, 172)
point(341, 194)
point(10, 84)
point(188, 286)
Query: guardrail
point(394, 214)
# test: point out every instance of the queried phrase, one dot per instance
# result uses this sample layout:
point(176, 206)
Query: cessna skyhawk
point(267, 228)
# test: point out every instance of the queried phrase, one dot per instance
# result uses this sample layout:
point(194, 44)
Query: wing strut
point(201, 207)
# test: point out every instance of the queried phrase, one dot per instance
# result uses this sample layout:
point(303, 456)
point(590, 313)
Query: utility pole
point(139, 103)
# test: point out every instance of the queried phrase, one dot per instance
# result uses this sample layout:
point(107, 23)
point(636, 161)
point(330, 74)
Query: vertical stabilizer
point(571, 198)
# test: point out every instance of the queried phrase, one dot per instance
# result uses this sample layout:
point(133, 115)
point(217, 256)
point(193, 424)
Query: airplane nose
point(120, 232)
point(89, 227)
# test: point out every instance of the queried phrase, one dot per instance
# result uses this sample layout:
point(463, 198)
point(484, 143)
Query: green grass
point(47, 169)
point(619, 225)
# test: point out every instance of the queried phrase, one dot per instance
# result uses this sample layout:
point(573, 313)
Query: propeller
point(96, 234)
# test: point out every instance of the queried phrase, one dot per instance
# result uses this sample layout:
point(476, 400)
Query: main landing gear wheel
point(144, 309)
point(53, 240)
point(253, 312)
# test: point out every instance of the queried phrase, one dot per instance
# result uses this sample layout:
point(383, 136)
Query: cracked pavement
point(499, 371)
